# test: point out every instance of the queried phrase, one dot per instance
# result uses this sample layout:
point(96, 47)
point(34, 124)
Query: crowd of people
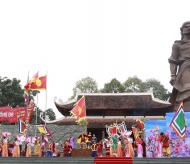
point(115, 145)
point(31, 146)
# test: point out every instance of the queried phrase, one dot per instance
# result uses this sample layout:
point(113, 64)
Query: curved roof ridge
point(60, 102)
point(115, 94)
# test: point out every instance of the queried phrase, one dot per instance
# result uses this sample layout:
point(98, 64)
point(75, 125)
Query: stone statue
point(180, 69)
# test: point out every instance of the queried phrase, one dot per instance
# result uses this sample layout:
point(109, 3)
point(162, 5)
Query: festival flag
point(44, 130)
point(27, 86)
point(111, 130)
point(121, 127)
point(79, 111)
point(26, 97)
point(178, 123)
point(39, 83)
point(21, 126)
point(140, 123)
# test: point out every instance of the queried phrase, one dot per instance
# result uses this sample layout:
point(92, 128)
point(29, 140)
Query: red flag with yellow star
point(79, 111)
point(39, 83)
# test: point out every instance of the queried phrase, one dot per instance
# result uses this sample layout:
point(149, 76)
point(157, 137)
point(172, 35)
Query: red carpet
point(113, 160)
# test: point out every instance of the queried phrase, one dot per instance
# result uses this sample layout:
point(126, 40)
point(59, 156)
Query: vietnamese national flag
point(79, 111)
point(39, 83)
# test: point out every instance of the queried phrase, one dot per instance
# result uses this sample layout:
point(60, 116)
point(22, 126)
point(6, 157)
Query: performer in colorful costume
point(67, 149)
point(119, 148)
point(72, 141)
point(28, 150)
point(89, 140)
point(5, 147)
point(113, 150)
point(82, 140)
point(99, 149)
point(16, 149)
point(36, 146)
point(166, 147)
point(129, 151)
point(139, 147)
point(49, 151)
point(94, 149)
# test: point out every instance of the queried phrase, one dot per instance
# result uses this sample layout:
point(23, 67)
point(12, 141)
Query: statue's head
point(185, 28)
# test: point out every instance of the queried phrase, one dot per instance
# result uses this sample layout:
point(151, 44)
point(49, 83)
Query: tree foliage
point(33, 120)
point(114, 86)
point(134, 84)
point(47, 113)
point(50, 114)
point(11, 92)
point(85, 85)
point(157, 88)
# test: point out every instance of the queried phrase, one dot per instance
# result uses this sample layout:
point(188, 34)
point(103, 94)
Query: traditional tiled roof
point(117, 101)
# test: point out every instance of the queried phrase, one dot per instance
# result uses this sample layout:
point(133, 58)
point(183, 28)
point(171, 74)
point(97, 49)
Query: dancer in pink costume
point(139, 147)
point(159, 147)
point(129, 151)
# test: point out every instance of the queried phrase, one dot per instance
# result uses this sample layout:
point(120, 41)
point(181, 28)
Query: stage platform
point(90, 160)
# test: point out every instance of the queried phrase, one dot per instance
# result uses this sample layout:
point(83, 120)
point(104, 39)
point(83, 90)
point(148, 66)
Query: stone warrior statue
point(180, 69)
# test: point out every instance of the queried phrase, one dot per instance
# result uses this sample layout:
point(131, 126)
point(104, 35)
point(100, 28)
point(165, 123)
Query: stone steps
point(46, 160)
point(90, 160)
point(162, 160)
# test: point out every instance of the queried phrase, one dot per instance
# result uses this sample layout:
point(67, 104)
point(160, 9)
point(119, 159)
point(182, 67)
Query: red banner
point(12, 114)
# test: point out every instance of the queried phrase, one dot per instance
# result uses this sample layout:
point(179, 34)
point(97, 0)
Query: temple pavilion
point(106, 108)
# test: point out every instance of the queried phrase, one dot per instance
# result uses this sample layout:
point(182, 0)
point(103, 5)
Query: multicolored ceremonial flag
point(21, 126)
point(121, 127)
point(39, 83)
point(178, 123)
point(26, 97)
point(44, 130)
point(111, 130)
point(140, 123)
point(79, 111)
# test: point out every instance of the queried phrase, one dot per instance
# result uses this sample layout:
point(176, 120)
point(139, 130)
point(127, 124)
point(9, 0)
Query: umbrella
point(6, 134)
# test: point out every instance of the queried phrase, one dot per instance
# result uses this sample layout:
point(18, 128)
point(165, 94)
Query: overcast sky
point(103, 39)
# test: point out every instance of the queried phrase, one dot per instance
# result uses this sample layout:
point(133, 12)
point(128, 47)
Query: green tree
point(85, 85)
point(114, 86)
point(134, 84)
point(33, 120)
point(157, 88)
point(11, 92)
point(50, 113)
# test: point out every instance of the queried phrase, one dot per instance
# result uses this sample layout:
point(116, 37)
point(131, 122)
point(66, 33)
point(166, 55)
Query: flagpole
point(36, 113)
point(27, 102)
point(46, 99)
